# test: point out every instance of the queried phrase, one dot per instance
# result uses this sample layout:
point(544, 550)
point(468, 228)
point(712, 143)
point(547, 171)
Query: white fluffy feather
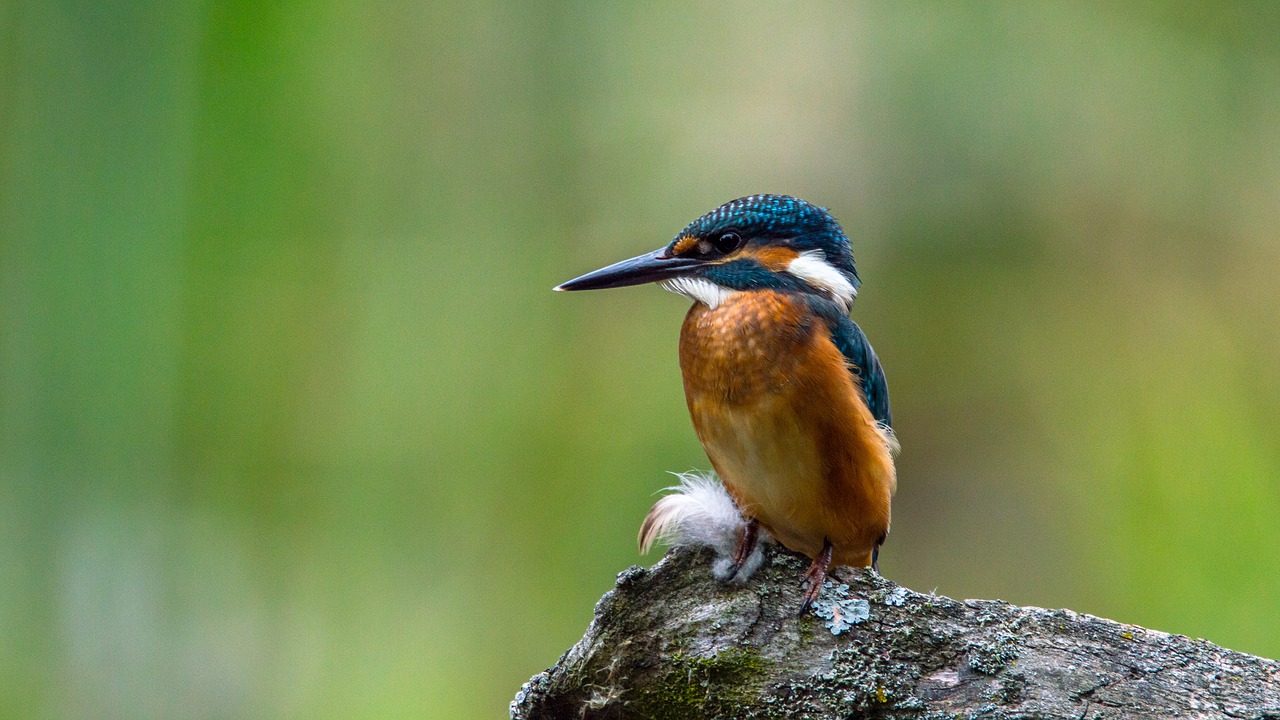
point(699, 289)
point(699, 511)
point(890, 438)
point(812, 267)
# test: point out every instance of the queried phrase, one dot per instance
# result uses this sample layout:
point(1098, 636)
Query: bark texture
point(671, 642)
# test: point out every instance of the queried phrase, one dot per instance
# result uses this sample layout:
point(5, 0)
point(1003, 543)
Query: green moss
point(716, 686)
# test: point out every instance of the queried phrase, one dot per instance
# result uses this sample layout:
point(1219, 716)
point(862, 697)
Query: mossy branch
point(671, 642)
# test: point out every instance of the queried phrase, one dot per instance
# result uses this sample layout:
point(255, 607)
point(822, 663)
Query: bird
point(786, 394)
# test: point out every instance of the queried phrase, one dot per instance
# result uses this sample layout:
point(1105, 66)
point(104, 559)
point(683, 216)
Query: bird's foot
point(815, 576)
point(746, 545)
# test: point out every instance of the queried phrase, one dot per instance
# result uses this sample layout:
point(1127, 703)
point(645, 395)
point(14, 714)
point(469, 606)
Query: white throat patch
point(812, 267)
point(698, 289)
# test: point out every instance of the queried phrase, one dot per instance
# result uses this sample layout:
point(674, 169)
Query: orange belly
point(776, 408)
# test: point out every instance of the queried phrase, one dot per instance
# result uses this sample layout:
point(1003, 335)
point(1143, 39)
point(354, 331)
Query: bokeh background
point(292, 426)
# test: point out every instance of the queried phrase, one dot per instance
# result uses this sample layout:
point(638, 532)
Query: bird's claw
point(746, 545)
point(815, 576)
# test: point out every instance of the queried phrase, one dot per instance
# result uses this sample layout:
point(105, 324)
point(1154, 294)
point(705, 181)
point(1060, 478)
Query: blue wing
point(863, 363)
point(865, 366)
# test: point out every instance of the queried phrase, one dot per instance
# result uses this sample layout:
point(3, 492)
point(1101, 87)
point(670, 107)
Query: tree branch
point(671, 642)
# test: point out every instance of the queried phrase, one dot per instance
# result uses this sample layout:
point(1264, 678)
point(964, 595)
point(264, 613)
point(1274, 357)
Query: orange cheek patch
point(684, 245)
point(775, 259)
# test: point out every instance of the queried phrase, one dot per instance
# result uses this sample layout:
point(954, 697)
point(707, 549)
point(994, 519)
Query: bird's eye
point(728, 242)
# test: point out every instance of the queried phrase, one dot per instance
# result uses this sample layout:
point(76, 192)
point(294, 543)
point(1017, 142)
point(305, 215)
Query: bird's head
point(752, 243)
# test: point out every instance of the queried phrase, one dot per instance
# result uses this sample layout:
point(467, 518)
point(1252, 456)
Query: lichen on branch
point(672, 642)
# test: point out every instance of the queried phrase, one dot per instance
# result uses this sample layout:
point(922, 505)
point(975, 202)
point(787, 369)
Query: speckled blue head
point(759, 242)
point(778, 219)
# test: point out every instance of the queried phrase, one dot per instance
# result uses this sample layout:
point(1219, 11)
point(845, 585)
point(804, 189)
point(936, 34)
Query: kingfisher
point(785, 392)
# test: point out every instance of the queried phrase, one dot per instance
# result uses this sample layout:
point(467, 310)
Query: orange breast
point(776, 409)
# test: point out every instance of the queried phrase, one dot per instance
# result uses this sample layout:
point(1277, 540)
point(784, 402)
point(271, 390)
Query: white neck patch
point(812, 267)
point(698, 289)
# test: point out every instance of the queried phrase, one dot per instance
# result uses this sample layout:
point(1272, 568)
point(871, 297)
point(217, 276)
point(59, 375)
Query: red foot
point(815, 575)
point(746, 544)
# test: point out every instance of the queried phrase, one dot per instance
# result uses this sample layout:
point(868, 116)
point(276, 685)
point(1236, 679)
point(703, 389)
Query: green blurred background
point(292, 426)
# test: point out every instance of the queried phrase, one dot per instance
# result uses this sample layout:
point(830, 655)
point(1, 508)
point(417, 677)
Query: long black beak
point(650, 267)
